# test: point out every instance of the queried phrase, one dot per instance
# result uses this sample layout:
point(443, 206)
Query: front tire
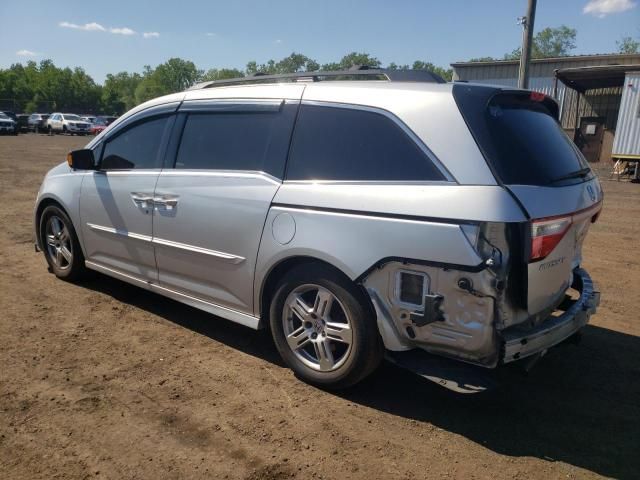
point(60, 244)
point(324, 328)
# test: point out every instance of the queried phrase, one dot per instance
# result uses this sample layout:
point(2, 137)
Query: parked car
point(99, 124)
point(88, 118)
point(38, 122)
point(397, 217)
point(23, 122)
point(11, 115)
point(8, 124)
point(67, 123)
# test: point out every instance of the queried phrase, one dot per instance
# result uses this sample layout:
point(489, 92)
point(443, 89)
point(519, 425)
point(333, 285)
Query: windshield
point(72, 117)
point(521, 139)
point(4, 116)
point(100, 121)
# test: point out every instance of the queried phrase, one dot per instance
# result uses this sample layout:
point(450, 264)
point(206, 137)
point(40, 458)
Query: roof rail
point(354, 73)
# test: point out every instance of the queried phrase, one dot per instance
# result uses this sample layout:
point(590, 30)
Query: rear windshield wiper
point(583, 172)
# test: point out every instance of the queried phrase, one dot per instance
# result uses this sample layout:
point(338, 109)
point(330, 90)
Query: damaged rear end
point(529, 292)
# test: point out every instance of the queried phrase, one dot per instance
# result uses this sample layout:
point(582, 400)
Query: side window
point(137, 147)
point(256, 141)
point(348, 144)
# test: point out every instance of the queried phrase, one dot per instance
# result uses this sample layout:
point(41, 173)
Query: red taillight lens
point(537, 96)
point(546, 234)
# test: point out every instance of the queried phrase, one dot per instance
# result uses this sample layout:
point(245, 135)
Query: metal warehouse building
point(598, 97)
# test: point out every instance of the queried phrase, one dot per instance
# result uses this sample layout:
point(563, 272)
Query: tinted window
point(237, 141)
point(520, 136)
point(136, 147)
point(346, 144)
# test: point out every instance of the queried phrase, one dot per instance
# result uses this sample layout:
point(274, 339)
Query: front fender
point(61, 185)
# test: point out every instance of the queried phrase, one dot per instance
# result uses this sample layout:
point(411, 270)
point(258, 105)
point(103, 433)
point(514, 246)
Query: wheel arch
point(284, 266)
point(43, 203)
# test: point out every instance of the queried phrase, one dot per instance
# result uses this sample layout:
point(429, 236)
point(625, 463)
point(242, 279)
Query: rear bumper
point(519, 342)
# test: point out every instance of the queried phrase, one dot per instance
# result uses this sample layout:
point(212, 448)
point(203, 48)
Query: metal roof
point(600, 76)
point(567, 58)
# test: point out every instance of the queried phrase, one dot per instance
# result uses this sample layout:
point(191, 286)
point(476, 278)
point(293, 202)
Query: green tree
point(221, 74)
point(46, 87)
point(172, 76)
point(447, 73)
point(119, 92)
point(549, 42)
point(296, 62)
point(353, 59)
point(628, 45)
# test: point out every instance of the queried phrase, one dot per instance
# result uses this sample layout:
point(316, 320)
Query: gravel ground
point(105, 380)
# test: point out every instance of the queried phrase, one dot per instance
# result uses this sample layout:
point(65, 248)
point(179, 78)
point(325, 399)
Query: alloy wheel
point(58, 243)
point(317, 327)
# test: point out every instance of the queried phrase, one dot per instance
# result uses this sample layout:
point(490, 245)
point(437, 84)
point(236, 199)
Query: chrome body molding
point(224, 312)
point(250, 174)
point(235, 259)
point(122, 233)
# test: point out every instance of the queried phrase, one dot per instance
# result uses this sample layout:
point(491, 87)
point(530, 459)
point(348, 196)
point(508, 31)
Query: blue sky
point(109, 35)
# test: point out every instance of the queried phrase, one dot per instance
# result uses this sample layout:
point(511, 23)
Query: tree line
point(44, 87)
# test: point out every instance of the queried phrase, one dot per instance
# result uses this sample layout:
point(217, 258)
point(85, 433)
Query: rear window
point(520, 137)
point(348, 144)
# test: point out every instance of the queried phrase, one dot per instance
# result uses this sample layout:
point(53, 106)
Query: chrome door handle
point(167, 201)
point(142, 200)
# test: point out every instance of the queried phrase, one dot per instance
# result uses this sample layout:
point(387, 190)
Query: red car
point(100, 124)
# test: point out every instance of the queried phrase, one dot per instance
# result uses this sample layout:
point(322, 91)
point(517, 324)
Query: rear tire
point(324, 327)
point(60, 244)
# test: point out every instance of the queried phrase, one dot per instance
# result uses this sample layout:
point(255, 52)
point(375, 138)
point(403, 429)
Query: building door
point(589, 137)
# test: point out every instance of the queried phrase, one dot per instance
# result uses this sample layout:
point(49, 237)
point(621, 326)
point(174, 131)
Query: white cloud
point(602, 8)
point(26, 53)
point(122, 31)
point(278, 41)
point(96, 27)
point(150, 34)
point(211, 34)
point(89, 27)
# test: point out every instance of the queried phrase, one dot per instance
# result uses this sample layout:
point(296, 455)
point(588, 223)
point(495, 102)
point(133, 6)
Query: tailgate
point(529, 153)
point(577, 205)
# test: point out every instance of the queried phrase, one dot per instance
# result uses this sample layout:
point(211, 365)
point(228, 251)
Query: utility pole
point(527, 37)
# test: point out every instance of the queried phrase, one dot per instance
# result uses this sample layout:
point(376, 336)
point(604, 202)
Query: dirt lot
point(105, 380)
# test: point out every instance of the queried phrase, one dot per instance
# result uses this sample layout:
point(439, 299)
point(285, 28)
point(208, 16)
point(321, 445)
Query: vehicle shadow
point(579, 405)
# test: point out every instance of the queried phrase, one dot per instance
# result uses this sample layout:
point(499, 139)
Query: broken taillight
point(546, 234)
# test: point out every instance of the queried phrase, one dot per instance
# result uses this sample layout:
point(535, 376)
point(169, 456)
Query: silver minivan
point(352, 218)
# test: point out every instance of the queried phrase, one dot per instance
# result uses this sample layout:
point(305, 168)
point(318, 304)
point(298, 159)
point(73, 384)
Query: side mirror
point(81, 159)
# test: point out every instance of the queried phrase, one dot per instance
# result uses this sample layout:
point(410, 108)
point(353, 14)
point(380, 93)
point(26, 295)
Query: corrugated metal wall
point(602, 102)
point(539, 67)
point(627, 140)
point(597, 103)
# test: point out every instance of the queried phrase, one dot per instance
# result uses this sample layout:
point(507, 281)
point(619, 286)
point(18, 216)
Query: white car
point(67, 123)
